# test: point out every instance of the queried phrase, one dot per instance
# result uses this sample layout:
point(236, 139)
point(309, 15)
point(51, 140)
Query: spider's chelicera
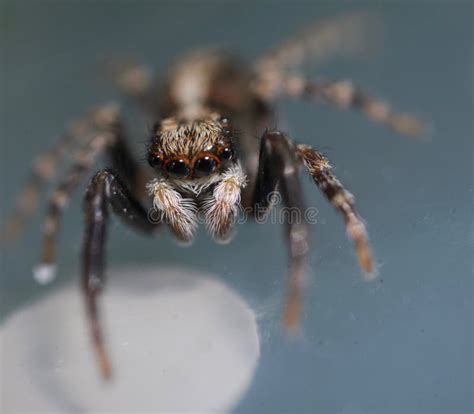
point(203, 158)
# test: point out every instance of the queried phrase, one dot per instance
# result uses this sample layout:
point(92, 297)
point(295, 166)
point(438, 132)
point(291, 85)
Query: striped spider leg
point(277, 72)
point(278, 171)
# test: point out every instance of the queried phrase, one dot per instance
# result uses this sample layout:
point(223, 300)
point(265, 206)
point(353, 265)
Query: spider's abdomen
point(207, 79)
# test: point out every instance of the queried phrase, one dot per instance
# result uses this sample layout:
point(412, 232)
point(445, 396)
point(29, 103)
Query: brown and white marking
point(221, 209)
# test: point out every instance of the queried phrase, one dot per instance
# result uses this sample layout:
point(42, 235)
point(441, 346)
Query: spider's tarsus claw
point(366, 261)
point(370, 276)
point(292, 311)
point(292, 317)
point(103, 360)
point(356, 231)
point(364, 255)
point(368, 268)
point(44, 273)
point(104, 364)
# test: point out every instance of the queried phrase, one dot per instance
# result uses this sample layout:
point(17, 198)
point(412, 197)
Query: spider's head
point(191, 149)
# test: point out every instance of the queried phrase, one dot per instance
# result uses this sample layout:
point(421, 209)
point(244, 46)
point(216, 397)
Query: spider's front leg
point(278, 167)
point(320, 170)
point(105, 189)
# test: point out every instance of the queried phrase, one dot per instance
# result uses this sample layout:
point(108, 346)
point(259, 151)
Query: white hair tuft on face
point(180, 213)
point(222, 207)
point(196, 185)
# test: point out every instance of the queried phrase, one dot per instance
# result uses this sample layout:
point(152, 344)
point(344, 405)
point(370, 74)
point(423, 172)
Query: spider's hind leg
point(111, 139)
point(135, 81)
point(278, 169)
point(343, 94)
point(45, 167)
point(44, 170)
point(345, 35)
point(59, 200)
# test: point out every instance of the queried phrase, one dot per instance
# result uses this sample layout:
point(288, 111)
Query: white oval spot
point(44, 273)
point(180, 341)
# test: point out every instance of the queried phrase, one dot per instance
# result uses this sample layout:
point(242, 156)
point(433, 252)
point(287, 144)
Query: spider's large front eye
point(177, 168)
point(155, 160)
point(226, 153)
point(204, 166)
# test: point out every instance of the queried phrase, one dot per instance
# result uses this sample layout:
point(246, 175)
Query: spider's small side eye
point(227, 132)
point(225, 121)
point(226, 153)
point(155, 160)
point(204, 166)
point(177, 168)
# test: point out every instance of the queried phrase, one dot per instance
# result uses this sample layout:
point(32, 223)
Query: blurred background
point(402, 344)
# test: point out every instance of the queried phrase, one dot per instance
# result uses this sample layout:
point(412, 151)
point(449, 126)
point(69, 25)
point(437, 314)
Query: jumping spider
point(199, 164)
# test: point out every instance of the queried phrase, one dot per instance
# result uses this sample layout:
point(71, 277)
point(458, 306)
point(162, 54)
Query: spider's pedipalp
point(178, 212)
point(222, 207)
point(320, 170)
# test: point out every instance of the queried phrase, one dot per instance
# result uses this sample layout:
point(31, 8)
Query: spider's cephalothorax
point(197, 170)
point(199, 166)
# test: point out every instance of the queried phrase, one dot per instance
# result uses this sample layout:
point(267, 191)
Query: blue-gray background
point(402, 344)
